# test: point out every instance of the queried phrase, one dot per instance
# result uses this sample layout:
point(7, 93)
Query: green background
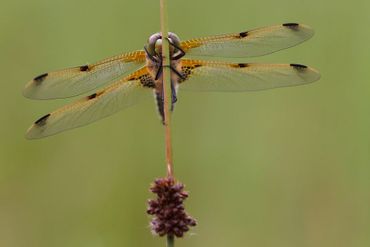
point(285, 167)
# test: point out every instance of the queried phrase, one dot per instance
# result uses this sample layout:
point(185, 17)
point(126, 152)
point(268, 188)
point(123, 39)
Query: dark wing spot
point(298, 66)
point(186, 71)
point(239, 65)
point(92, 96)
point(42, 121)
point(40, 78)
point(243, 34)
point(84, 68)
point(147, 81)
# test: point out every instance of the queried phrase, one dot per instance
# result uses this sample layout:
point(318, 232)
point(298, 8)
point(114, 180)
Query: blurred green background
point(285, 167)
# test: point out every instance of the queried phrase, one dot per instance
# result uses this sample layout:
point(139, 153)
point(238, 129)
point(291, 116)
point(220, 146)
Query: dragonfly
point(134, 76)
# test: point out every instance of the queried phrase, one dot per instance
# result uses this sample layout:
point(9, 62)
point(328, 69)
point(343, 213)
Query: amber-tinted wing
point(234, 77)
point(74, 81)
point(113, 98)
point(252, 43)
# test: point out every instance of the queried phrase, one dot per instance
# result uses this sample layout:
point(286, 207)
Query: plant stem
point(167, 99)
point(166, 86)
point(170, 241)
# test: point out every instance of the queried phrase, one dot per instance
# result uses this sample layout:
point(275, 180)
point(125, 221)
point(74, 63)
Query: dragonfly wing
point(109, 100)
point(74, 81)
point(252, 43)
point(230, 77)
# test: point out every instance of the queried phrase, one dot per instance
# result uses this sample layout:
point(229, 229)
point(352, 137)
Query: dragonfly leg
point(154, 57)
point(177, 73)
point(181, 51)
point(159, 72)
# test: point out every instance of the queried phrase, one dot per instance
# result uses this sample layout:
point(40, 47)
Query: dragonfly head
point(154, 46)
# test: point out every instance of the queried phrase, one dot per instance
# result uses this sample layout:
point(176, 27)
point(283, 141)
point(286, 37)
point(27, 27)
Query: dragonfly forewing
point(251, 43)
point(77, 80)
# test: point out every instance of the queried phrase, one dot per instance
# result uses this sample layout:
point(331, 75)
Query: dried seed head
point(169, 213)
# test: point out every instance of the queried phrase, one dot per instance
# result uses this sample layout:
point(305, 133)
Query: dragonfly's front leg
point(159, 72)
point(181, 51)
point(153, 57)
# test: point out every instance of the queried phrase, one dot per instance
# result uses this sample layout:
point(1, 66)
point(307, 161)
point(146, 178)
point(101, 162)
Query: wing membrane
point(230, 77)
point(74, 81)
point(108, 101)
point(252, 43)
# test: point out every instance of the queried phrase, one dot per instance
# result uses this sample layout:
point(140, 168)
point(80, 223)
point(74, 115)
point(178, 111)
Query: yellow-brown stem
point(166, 86)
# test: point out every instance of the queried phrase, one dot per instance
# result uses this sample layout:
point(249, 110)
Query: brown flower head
point(169, 213)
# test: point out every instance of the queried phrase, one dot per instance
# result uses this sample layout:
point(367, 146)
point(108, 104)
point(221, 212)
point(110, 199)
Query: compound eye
point(152, 42)
point(174, 38)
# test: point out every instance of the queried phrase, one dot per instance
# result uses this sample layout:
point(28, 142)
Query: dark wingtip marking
point(293, 26)
point(40, 78)
point(42, 120)
point(197, 65)
point(298, 66)
point(243, 34)
point(290, 24)
point(84, 68)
